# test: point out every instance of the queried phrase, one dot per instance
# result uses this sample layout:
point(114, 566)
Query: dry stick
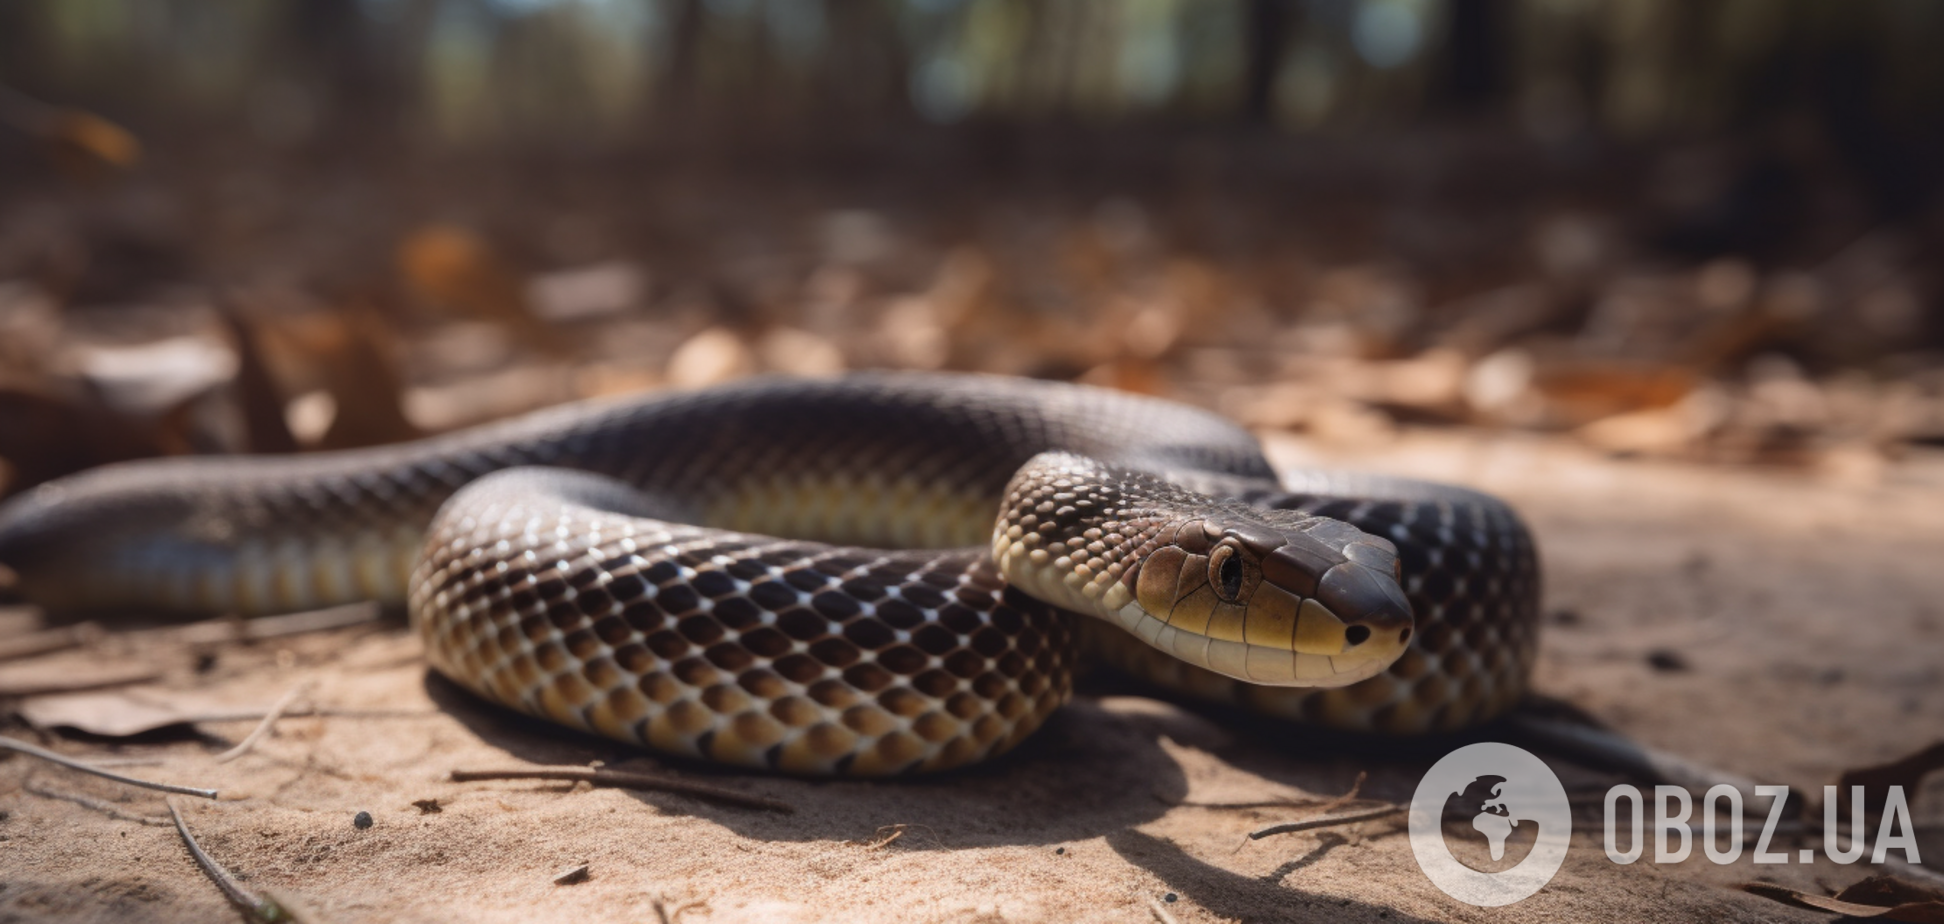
point(311, 710)
point(263, 728)
point(254, 905)
point(627, 780)
point(227, 630)
point(1382, 811)
point(89, 802)
point(1160, 914)
point(1356, 786)
point(15, 744)
point(48, 641)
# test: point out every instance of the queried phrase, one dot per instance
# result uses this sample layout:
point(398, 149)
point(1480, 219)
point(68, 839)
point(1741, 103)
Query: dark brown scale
point(965, 663)
point(667, 645)
point(936, 683)
point(802, 625)
point(902, 659)
point(834, 606)
point(869, 634)
point(737, 613)
point(835, 652)
point(898, 614)
point(773, 596)
point(870, 678)
point(806, 580)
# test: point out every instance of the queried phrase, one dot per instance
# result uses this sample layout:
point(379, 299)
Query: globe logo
point(1508, 815)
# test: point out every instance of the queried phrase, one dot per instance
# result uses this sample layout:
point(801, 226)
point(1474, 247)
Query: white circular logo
point(1510, 797)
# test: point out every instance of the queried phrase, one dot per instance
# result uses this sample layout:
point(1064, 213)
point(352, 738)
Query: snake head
point(1279, 600)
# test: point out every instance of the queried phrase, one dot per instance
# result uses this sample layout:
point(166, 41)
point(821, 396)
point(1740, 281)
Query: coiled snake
point(808, 576)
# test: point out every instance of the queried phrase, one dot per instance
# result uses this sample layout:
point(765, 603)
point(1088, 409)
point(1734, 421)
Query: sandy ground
point(1807, 608)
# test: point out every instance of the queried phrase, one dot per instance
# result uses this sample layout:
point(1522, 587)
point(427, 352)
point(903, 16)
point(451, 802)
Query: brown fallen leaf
point(85, 147)
point(345, 352)
point(714, 356)
point(456, 269)
point(1866, 899)
point(121, 713)
point(47, 641)
point(1890, 891)
point(64, 676)
point(1876, 781)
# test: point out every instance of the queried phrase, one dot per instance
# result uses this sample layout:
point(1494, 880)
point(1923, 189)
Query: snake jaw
point(1304, 603)
point(1271, 597)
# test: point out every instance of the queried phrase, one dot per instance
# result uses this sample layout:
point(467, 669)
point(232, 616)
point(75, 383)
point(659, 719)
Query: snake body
point(872, 575)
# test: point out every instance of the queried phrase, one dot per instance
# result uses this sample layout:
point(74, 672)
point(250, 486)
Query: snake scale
point(872, 575)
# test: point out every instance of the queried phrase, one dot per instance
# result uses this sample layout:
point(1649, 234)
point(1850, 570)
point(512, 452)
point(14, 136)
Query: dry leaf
point(589, 292)
point(711, 357)
point(1912, 904)
point(66, 676)
point(89, 148)
point(1908, 773)
point(122, 713)
point(454, 269)
point(793, 351)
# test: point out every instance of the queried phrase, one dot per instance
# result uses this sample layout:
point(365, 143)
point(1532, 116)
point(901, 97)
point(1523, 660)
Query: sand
point(1797, 619)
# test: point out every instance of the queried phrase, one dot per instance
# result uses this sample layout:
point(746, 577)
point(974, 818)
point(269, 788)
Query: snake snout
point(1311, 603)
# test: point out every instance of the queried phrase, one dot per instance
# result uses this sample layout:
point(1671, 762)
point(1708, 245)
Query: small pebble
point(1667, 661)
point(1059, 850)
point(1170, 898)
point(577, 874)
point(361, 821)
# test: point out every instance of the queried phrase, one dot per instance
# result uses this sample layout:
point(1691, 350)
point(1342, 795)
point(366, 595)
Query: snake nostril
point(1357, 635)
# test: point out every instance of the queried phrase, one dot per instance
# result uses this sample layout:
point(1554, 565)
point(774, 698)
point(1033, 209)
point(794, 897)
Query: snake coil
point(873, 575)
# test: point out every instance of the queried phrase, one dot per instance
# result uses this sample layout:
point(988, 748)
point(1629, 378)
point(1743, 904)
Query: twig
point(17, 745)
point(1383, 811)
point(225, 630)
point(307, 710)
point(89, 802)
point(1356, 786)
point(263, 728)
point(627, 780)
point(252, 904)
point(48, 641)
point(1160, 913)
point(24, 682)
point(129, 760)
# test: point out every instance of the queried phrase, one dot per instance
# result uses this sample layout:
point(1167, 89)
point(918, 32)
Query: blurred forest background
point(1706, 230)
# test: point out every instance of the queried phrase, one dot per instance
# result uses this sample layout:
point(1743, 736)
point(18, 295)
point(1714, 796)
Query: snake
point(870, 575)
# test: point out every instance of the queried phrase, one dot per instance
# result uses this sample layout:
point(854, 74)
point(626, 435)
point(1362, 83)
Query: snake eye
point(1225, 572)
